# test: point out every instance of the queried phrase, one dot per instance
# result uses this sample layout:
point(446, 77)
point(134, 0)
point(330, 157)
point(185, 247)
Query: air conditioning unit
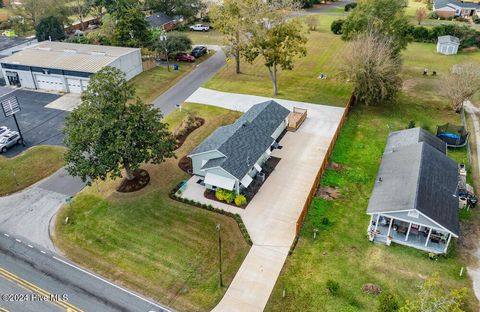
point(261, 176)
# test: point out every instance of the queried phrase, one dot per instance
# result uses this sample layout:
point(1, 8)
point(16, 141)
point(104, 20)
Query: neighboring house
point(453, 8)
point(66, 67)
point(448, 45)
point(160, 20)
point(233, 155)
point(414, 200)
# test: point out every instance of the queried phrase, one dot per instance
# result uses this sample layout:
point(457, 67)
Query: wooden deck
point(296, 118)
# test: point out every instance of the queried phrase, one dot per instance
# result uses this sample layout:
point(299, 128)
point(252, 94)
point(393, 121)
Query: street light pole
point(220, 254)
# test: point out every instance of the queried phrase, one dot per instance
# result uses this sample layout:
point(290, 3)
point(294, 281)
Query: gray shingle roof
point(158, 19)
point(448, 39)
point(244, 141)
point(418, 176)
point(412, 136)
point(469, 5)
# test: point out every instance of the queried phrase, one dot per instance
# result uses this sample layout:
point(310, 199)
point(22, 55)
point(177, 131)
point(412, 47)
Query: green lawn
point(212, 37)
point(159, 247)
point(300, 84)
point(152, 83)
point(29, 167)
point(5, 14)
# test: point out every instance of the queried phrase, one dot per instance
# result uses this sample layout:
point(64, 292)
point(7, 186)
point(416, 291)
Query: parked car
point(198, 51)
point(92, 26)
point(8, 140)
point(199, 27)
point(185, 57)
point(3, 130)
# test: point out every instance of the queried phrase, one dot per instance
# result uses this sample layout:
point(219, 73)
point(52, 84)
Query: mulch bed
point(185, 164)
point(255, 186)
point(140, 180)
point(181, 138)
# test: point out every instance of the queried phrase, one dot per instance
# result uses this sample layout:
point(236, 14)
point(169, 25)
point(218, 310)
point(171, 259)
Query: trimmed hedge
point(235, 216)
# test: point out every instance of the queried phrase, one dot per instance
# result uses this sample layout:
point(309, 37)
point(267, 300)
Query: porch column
point(428, 237)
point(370, 224)
point(448, 242)
point(389, 227)
point(408, 231)
point(376, 223)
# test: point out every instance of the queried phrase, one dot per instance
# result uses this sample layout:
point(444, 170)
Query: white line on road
point(30, 246)
point(43, 252)
point(111, 284)
point(18, 240)
point(6, 235)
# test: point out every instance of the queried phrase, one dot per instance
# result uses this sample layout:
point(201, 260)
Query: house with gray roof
point(448, 45)
point(160, 20)
point(414, 200)
point(233, 155)
point(454, 8)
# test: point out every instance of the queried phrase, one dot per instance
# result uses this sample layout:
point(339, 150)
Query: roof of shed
point(68, 56)
point(448, 39)
point(244, 141)
point(417, 176)
point(158, 19)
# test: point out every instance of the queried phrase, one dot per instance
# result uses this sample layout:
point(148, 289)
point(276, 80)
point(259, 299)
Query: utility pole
point(220, 254)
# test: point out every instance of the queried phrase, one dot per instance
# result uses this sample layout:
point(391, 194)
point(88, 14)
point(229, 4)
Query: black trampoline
point(454, 136)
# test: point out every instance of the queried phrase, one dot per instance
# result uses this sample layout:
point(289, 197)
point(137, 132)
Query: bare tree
point(461, 84)
point(420, 15)
point(371, 65)
point(312, 22)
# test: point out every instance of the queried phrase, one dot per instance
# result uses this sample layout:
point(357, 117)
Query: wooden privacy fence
point(320, 172)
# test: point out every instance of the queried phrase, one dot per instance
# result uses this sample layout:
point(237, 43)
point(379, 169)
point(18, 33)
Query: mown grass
point(152, 83)
point(301, 83)
point(212, 37)
point(29, 167)
point(341, 251)
point(159, 247)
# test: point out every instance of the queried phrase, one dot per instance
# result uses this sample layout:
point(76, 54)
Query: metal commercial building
point(66, 67)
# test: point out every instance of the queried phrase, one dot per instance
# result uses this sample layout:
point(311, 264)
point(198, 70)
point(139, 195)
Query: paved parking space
point(40, 125)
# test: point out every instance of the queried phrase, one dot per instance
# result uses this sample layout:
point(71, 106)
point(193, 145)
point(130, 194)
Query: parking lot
point(39, 125)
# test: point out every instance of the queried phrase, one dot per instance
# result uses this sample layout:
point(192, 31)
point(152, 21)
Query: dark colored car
point(199, 51)
point(185, 57)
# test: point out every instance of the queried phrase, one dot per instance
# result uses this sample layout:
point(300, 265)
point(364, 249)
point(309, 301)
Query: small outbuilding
point(448, 45)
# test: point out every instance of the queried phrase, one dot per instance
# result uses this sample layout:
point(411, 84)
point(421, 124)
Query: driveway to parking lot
point(271, 216)
point(40, 125)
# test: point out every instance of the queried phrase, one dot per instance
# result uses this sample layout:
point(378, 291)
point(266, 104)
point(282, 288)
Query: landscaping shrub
point(411, 124)
point(240, 200)
point(433, 15)
point(387, 303)
point(350, 6)
point(333, 287)
point(325, 221)
point(337, 26)
point(220, 194)
point(229, 196)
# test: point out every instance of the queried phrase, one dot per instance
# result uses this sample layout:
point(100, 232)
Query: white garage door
point(48, 82)
point(74, 85)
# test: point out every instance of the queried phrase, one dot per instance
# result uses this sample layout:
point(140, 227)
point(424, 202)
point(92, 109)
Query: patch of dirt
point(371, 289)
point(182, 135)
point(140, 180)
point(409, 84)
point(185, 164)
point(328, 193)
point(335, 166)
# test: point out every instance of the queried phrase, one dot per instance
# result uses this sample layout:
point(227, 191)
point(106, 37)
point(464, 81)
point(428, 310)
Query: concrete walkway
point(28, 214)
point(271, 216)
point(474, 271)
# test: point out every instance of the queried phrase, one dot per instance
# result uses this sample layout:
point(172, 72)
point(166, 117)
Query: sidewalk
point(272, 214)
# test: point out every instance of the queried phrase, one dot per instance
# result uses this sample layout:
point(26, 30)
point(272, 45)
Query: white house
point(454, 8)
point(448, 45)
point(66, 67)
point(233, 155)
point(414, 201)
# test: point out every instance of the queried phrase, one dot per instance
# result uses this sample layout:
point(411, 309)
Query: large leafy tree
point(111, 6)
point(186, 8)
point(274, 36)
point(172, 43)
point(110, 131)
point(49, 28)
point(386, 17)
point(373, 68)
point(32, 11)
point(229, 18)
point(131, 28)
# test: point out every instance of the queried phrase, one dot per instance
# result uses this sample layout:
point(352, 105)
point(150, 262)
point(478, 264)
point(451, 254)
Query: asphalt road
point(176, 95)
point(34, 280)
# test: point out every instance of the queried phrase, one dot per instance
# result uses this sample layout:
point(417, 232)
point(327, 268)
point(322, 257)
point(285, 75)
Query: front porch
point(384, 229)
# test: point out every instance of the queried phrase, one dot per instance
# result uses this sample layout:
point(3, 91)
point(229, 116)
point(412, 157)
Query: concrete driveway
point(271, 216)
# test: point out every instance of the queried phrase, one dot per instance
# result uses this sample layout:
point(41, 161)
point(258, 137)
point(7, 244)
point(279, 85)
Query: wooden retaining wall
point(315, 185)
